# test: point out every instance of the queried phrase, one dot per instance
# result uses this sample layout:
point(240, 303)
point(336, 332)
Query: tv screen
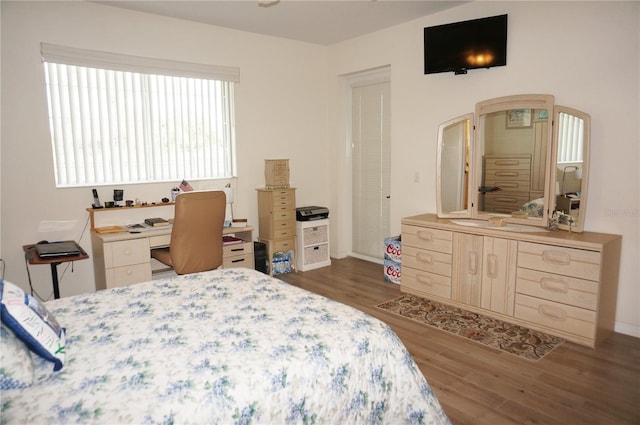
point(457, 47)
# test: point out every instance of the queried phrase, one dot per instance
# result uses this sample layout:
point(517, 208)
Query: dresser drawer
point(237, 249)
point(283, 245)
point(424, 238)
point(283, 200)
point(245, 260)
point(428, 261)
point(127, 275)
point(573, 320)
point(563, 289)
point(565, 261)
point(127, 252)
point(160, 241)
point(427, 283)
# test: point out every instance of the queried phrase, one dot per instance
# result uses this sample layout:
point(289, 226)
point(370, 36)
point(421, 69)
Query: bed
point(229, 346)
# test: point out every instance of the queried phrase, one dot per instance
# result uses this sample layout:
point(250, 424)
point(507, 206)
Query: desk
point(33, 258)
point(123, 258)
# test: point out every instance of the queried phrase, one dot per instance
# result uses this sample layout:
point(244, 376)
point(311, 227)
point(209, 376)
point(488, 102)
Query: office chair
point(196, 236)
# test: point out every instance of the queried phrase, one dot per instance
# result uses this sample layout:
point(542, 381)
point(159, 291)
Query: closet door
point(370, 168)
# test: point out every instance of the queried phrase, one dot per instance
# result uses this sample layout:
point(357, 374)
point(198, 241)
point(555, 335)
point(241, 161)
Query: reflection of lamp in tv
point(575, 168)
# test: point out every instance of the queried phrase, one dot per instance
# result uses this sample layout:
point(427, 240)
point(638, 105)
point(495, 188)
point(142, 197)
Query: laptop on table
point(57, 249)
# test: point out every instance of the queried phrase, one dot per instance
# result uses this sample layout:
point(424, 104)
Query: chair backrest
point(196, 237)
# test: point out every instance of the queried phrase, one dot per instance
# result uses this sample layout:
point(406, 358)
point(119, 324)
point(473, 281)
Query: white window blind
point(570, 137)
point(118, 119)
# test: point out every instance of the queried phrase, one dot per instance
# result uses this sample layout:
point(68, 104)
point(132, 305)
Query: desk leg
point(54, 279)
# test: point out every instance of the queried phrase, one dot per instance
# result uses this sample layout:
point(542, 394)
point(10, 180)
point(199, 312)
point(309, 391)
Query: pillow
point(32, 323)
point(16, 367)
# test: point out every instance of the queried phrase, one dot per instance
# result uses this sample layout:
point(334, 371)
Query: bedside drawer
point(127, 275)
point(573, 320)
point(431, 239)
point(238, 261)
point(563, 289)
point(237, 249)
point(428, 261)
point(566, 261)
point(127, 252)
point(428, 283)
point(160, 241)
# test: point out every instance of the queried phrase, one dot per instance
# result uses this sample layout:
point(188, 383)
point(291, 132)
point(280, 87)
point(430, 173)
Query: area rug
point(507, 337)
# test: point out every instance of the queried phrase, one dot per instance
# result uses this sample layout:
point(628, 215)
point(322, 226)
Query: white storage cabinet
point(313, 244)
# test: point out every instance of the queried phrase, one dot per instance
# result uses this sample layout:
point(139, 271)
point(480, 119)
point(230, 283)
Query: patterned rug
point(512, 339)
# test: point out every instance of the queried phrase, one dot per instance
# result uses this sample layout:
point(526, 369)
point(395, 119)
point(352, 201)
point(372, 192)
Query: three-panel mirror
point(519, 157)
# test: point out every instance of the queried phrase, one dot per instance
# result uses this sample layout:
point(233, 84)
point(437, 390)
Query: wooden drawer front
point(425, 238)
point(284, 245)
point(124, 253)
point(566, 261)
point(237, 249)
point(284, 215)
point(159, 241)
point(283, 233)
point(520, 182)
point(563, 289)
point(127, 275)
point(504, 199)
point(519, 163)
point(245, 261)
point(283, 200)
point(428, 283)
point(573, 320)
point(428, 261)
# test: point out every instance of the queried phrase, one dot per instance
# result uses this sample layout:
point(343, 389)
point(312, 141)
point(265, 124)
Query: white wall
point(584, 53)
point(281, 110)
point(291, 105)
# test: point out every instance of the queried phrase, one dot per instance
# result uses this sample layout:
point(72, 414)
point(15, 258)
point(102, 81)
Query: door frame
point(372, 76)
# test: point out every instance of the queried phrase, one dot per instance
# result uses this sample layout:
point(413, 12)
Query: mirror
point(512, 161)
point(453, 179)
point(571, 159)
point(513, 157)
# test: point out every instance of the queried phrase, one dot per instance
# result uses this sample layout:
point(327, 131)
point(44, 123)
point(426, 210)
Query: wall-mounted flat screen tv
point(460, 46)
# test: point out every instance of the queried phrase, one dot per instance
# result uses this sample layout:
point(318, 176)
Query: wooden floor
point(479, 385)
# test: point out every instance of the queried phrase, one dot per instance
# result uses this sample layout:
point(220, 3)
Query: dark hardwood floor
point(479, 385)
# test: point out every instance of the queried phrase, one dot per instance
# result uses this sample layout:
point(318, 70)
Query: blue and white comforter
point(224, 347)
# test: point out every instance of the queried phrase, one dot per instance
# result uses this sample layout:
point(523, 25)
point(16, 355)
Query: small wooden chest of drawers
point(277, 222)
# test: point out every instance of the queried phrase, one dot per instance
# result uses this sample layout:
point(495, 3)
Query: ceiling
point(314, 21)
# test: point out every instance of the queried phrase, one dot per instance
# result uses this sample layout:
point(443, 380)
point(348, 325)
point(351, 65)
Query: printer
point(311, 213)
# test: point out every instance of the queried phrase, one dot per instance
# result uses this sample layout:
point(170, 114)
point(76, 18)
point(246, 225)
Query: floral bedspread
point(229, 346)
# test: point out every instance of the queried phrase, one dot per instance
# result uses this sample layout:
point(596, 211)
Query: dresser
point(561, 283)
point(277, 222)
point(512, 174)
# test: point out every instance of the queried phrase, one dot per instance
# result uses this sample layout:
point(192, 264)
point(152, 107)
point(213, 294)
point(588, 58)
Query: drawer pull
point(505, 199)
point(507, 173)
point(552, 313)
point(424, 258)
point(426, 280)
point(556, 257)
point(129, 272)
point(425, 236)
point(127, 251)
point(238, 260)
point(237, 249)
point(492, 269)
point(473, 263)
point(554, 285)
point(507, 162)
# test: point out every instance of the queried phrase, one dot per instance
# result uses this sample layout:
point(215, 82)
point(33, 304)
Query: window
point(118, 119)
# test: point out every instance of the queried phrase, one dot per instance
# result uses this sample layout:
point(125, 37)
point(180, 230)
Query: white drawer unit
point(313, 244)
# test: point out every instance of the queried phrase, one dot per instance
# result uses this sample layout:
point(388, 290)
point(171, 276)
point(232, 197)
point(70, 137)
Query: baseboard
point(627, 329)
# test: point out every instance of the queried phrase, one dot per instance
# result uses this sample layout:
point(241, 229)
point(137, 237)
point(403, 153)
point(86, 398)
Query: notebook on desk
point(57, 249)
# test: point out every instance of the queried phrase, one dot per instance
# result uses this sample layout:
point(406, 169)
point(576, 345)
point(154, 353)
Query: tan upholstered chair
point(196, 236)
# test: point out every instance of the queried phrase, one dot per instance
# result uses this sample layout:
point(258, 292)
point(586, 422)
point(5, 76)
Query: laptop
point(57, 249)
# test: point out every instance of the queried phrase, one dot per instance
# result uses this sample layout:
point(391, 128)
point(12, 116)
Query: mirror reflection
point(454, 160)
point(571, 155)
point(514, 162)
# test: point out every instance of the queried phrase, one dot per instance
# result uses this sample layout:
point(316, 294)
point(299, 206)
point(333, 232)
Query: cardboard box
point(276, 173)
point(392, 271)
point(393, 249)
